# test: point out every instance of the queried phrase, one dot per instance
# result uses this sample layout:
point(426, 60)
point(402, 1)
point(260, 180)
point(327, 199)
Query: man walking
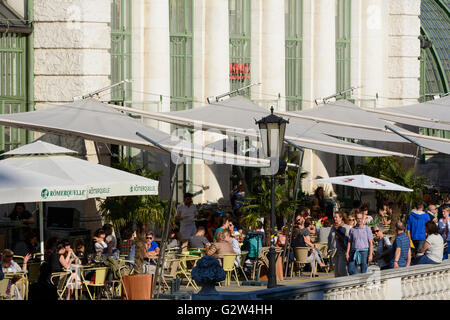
point(360, 246)
point(401, 249)
point(416, 226)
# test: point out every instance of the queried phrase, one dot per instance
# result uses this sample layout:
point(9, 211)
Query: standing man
point(416, 226)
point(360, 246)
point(432, 213)
point(186, 214)
point(401, 248)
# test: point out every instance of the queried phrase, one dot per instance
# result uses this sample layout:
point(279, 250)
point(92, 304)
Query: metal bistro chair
point(98, 283)
point(261, 261)
point(170, 271)
point(228, 267)
point(322, 247)
point(242, 263)
point(301, 259)
point(185, 269)
point(60, 279)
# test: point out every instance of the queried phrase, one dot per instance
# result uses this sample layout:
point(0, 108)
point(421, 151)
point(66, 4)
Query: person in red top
point(126, 243)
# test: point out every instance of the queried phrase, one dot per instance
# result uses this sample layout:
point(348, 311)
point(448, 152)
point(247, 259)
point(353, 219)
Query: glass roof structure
point(435, 26)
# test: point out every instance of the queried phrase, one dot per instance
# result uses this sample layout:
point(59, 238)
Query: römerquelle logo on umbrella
point(63, 193)
point(141, 188)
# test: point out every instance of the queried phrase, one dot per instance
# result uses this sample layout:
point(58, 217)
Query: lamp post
point(272, 129)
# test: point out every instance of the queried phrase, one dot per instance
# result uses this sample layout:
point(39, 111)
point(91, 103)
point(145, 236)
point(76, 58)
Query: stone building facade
point(180, 52)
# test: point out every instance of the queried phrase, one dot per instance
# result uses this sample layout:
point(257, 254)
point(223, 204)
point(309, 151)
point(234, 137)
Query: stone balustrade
point(421, 282)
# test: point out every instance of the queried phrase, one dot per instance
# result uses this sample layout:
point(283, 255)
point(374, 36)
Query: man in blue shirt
point(401, 248)
point(151, 246)
point(416, 226)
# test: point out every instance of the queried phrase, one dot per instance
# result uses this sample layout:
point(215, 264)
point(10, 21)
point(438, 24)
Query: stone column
point(324, 39)
point(216, 48)
point(403, 52)
point(212, 70)
point(71, 55)
point(156, 47)
point(323, 77)
point(273, 51)
point(373, 49)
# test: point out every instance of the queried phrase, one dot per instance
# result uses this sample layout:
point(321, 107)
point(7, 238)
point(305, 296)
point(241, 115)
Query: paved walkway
point(185, 293)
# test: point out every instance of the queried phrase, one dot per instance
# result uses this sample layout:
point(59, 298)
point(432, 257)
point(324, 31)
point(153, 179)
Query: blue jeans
point(352, 267)
point(418, 244)
point(446, 251)
point(425, 260)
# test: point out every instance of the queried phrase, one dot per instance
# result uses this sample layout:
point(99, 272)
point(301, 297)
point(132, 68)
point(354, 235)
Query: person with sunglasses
point(151, 247)
point(359, 246)
point(383, 249)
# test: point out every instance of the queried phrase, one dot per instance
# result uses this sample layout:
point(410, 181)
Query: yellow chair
point(301, 259)
point(4, 285)
point(60, 280)
point(98, 283)
point(228, 267)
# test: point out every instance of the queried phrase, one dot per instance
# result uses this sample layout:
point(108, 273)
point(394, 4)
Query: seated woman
point(100, 245)
point(433, 249)
point(61, 260)
point(174, 240)
point(10, 266)
point(303, 239)
point(221, 246)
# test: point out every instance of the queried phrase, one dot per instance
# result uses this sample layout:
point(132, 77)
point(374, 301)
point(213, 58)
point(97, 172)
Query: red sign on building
point(239, 70)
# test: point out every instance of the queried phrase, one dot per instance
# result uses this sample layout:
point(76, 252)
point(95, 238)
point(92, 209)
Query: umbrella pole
point(41, 228)
point(161, 256)
point(287, 247)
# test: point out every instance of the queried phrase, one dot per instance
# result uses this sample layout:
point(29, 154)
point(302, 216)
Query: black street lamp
point(272, 129)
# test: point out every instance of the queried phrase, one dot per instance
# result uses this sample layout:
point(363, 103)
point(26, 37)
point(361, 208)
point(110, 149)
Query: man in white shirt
point(186, 214)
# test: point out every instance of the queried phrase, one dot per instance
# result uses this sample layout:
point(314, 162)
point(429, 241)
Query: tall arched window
point(343, 53)
point(240, 44)
point(293, 10)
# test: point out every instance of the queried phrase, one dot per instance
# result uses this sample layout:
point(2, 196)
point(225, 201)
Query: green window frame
point(343, 45)
point(181, 28)
point(293, 53)
point(240, 44)
point(121, 31)
point(13, 86)
point(181, 17)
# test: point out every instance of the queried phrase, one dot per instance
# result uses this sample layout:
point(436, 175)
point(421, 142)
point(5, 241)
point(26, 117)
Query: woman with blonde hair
point(350, 219)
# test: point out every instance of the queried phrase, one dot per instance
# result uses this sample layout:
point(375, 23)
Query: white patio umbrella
point(41, 172)
point(364, 182)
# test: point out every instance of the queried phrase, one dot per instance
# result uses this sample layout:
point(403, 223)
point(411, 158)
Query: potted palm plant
point(141, 211)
